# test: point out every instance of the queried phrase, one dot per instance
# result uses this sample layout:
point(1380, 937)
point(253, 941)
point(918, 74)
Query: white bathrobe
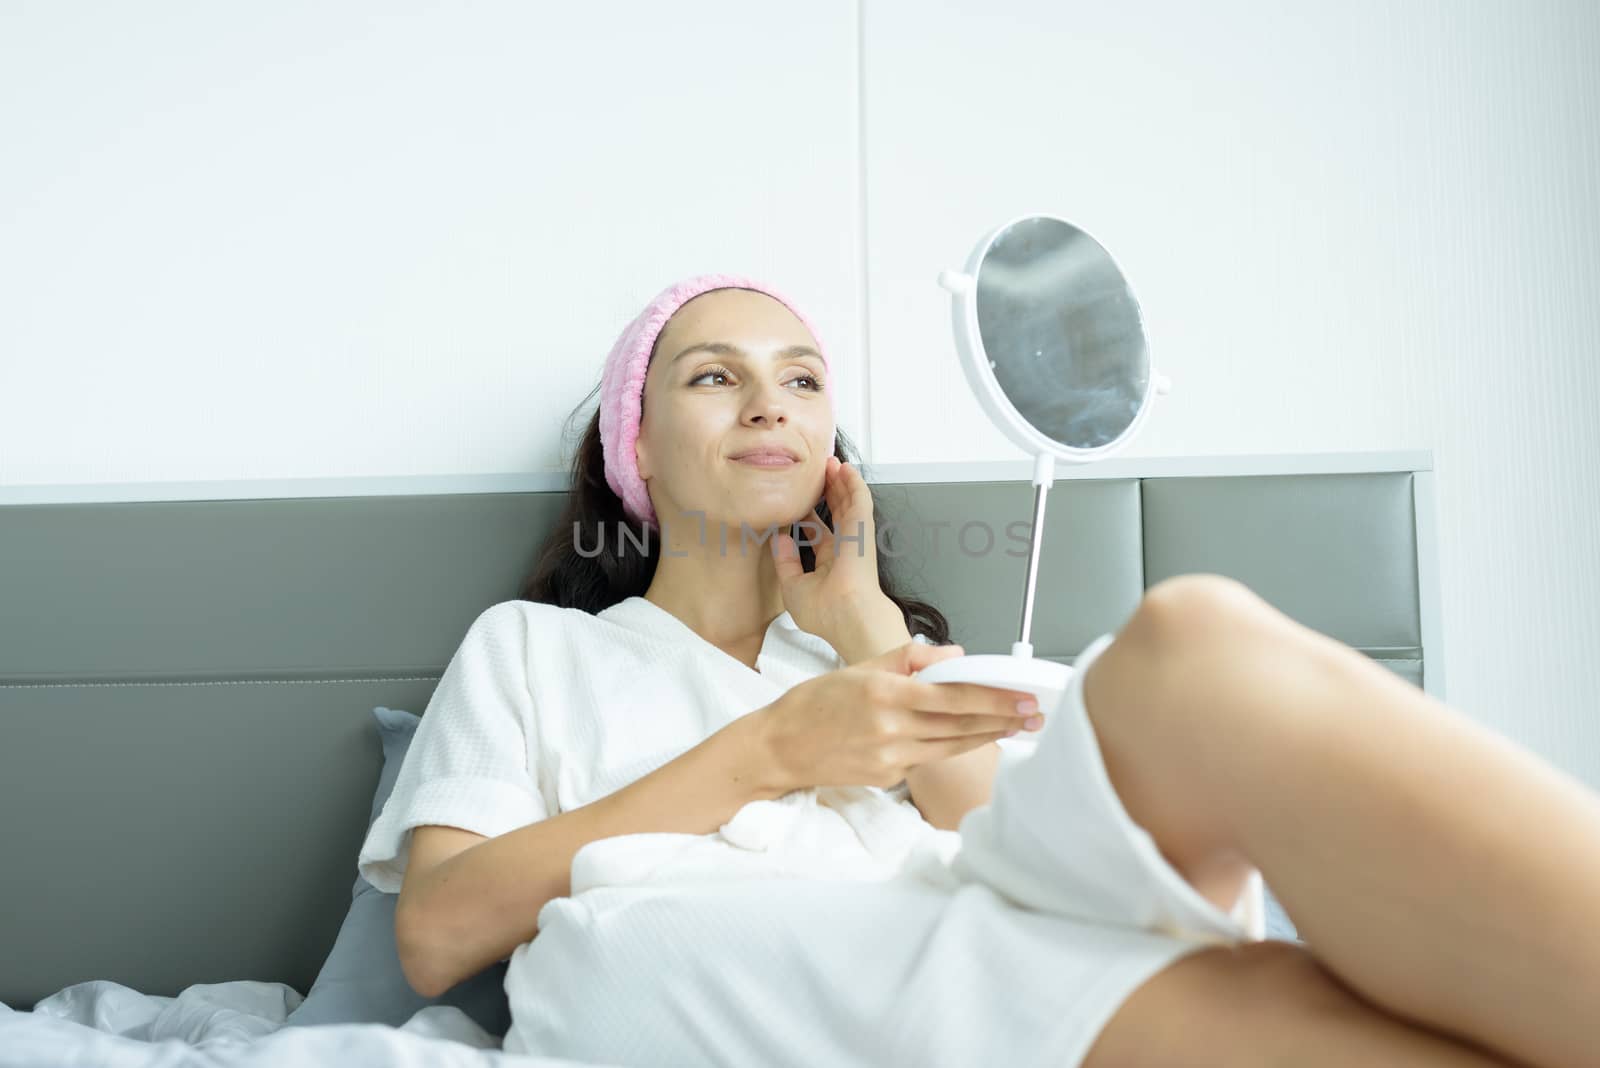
point(832, 925)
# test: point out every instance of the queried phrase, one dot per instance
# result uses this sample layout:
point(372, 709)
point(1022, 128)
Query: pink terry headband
point(622, 382)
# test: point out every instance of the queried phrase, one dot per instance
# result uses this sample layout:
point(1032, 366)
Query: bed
point(196, 680)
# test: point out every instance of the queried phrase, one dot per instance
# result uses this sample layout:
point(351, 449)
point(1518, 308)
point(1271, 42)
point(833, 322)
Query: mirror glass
point(1062, 332)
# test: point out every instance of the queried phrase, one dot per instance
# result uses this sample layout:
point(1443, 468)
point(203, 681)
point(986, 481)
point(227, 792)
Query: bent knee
point(1186, 606)
point(1185, 633)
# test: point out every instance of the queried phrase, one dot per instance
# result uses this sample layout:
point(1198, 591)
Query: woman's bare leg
point(1265, 1003)
point(1441, 871)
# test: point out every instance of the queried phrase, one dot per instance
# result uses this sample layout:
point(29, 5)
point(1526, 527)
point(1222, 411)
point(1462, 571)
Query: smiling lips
point(766, 458)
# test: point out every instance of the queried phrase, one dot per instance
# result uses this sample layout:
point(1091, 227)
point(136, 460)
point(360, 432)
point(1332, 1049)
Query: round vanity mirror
point(1052, 340)
point(1053, 345)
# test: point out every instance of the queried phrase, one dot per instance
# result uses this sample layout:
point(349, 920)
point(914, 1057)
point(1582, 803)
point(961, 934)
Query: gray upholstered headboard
point(187, 672)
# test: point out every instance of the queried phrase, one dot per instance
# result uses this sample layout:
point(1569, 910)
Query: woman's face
point(763, 386)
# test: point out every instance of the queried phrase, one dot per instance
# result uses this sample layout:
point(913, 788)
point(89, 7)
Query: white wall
point(1351, 226)
point(304, 238)
point(300, 240)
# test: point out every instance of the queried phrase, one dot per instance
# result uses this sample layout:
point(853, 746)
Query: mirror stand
point(1052, 343)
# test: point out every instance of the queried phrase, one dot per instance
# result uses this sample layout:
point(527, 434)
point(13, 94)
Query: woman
point(707, 780)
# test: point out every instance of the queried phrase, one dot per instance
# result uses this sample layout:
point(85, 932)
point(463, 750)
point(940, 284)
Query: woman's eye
point(713, 373)
point(718, 372)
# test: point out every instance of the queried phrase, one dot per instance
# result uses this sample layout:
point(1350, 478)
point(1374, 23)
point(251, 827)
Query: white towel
point(830, 832)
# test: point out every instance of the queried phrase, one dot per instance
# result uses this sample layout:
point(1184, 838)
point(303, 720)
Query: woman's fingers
point(819, 538)
point(857, 495)
point(929, 725)
point(832, 488)
point(856, 514)
point(941, 748)
point(966, 697)
point(849, 502)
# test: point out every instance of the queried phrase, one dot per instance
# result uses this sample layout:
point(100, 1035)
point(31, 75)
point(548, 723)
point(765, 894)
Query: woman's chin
point(759, 515)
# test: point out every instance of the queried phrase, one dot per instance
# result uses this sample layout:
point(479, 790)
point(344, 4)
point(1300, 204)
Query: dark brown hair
point(624, 565)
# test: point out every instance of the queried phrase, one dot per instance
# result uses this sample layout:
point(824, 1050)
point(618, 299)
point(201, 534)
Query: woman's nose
point(767, 408)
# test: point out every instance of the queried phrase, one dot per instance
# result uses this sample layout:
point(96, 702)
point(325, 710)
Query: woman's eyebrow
point(722, 348)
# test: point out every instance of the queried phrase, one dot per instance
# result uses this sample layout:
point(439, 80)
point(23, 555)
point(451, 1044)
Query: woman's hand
point(871, 723)
point(843, 590)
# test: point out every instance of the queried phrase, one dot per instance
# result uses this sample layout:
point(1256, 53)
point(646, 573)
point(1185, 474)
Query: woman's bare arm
point(474, 908)
point(942, 790)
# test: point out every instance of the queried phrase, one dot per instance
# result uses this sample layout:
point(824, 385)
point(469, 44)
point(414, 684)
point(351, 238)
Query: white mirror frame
point(963, 288)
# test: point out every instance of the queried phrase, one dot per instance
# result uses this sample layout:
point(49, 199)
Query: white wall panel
point(1352, 226)
point(268, 241)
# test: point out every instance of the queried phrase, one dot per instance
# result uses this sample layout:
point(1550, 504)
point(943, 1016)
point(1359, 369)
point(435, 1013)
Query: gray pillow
point(361, 981)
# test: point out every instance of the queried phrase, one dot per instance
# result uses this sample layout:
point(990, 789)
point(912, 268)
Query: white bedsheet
point(234, 1025)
